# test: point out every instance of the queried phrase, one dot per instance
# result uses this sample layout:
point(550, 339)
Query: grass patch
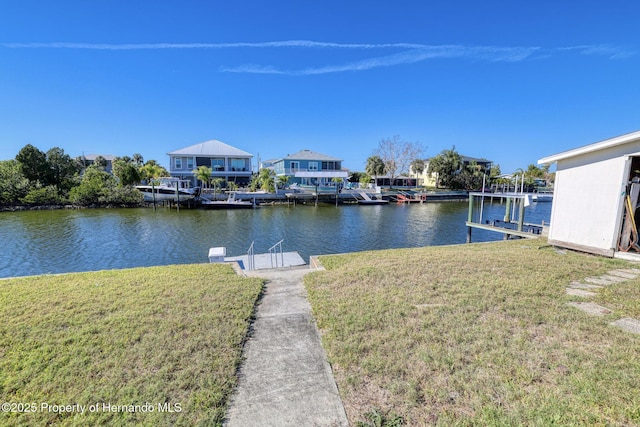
point(169, 336)
point(477, 335)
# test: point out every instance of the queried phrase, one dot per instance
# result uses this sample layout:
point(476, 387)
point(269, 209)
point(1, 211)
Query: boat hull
point(542, 198)
point(160, 194)
point(169, 189)
point(226, 205)
point(373, 202)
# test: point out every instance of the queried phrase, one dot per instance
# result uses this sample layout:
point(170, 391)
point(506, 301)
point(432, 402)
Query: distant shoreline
point(18, 208)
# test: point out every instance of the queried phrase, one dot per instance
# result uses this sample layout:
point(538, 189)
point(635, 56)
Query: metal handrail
point(273, 252)
point(251, 257)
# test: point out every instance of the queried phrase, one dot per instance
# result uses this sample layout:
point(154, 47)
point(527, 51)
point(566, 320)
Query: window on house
point(294, 166)
point(238, 165)
point(329, 166)
point(217, 164)
point(313, 166)
point(178, 162)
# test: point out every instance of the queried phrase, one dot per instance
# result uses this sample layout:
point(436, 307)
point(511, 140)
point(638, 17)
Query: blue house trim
point(306, 161)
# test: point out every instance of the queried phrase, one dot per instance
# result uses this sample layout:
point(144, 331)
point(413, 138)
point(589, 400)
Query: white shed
point(592, 186)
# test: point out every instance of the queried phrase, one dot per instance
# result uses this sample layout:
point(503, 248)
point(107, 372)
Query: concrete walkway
point(590, 289)
point(285, 379)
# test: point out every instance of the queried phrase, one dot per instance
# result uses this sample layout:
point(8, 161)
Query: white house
point(591, 188)
point(226, 162)
point(307, 167)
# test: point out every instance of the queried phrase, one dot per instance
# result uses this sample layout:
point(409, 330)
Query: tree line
point(53, 177)
point(35, 177)
point(395, 157)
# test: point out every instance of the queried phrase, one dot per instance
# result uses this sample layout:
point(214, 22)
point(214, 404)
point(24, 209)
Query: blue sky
point(510, 81)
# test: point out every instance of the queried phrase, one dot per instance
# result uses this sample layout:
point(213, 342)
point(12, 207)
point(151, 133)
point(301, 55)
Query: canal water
point(59, 241)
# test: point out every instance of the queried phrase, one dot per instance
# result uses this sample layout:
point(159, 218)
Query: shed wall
point(588, 200)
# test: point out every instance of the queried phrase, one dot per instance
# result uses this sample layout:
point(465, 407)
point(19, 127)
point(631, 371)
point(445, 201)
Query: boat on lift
point(231, 203)
point(169, 189)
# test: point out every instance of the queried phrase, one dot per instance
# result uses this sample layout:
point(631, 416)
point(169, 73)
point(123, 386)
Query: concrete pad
point(591, 308)
point(579, 293)
point(613, 279)
point(285, 379)
point(598, 281)
point(628, 324)
point(623, 273)
point(635, 271)
point(578, 285)
point(269, 261)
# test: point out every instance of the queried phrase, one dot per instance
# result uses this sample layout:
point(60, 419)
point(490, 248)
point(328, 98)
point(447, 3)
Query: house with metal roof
point(596, 194)
point(227, 162)
point(308, 167)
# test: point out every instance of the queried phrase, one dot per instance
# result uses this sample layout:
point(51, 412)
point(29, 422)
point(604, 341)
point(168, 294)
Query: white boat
point(230, 203)
point(326, 188)
point(542, 197)
point(169, 189)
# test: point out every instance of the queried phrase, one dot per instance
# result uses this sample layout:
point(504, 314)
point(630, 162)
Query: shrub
point(43, 196)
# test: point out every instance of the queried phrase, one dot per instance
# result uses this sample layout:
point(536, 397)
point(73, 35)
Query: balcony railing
point(292, 171)
point(223, 169)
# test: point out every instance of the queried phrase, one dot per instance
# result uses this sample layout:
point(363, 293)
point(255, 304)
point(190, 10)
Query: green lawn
point(477, 335)
point(165, 338)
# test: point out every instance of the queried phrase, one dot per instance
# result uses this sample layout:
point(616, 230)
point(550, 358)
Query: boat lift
point(512, 224)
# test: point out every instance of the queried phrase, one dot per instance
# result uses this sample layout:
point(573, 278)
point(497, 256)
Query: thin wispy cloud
point(409, 53)
point(406, 57)
point(612, 52)
point(272, 44)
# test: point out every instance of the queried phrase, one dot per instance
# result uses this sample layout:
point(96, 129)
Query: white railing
point(273, 254)
point(251, 258)
point(292, 171)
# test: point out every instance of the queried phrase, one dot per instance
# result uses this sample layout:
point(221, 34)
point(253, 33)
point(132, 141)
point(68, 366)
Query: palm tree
point(217, 183)
point(266, 180)
point(138, 159)
point(203, 174)
point(283, 180)
point(375, 167)
point(152, 170)
point(365, 179)
point(254, 183)
point(418, 167)
point(447, 165)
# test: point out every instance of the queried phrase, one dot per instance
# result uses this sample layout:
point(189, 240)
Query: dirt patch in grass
point(476, 335)
point(169, 337)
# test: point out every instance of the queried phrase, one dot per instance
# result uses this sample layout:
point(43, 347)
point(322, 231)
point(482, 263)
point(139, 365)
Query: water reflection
point(39, 242)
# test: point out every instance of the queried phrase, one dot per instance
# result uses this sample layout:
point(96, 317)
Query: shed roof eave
point(602, 145)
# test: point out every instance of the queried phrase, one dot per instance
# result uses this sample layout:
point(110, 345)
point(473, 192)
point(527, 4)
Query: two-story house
point(226, 162)
point(308, 167)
